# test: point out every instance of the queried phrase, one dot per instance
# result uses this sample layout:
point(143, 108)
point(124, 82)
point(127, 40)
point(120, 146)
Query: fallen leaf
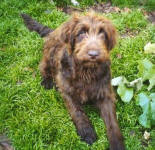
point(118, 80)
point(117, 9)
point(149, 48)
point(127, 10)
point(145, 12)
point(119, 56)
point(137, 83)
point(28, 69)
point(70, 10)
point(129, 33)
point(98, 7)
point(151, 17)
point(105, 8)
point(146, 135)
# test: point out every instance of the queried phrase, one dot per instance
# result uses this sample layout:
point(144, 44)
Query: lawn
point(36, 119)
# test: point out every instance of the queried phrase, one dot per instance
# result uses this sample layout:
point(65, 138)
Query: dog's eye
point(81, 35)
point(82, 32)
point(101, 31)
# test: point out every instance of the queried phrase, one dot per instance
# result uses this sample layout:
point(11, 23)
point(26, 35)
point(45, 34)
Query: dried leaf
point(146, 135)
point(117, 9)
point(137, 83)
point(149, 48)
point(28, 69)
point(119, 56)
point(70, 10)
point(127, 10)
point(151, 17)
point(119, 80)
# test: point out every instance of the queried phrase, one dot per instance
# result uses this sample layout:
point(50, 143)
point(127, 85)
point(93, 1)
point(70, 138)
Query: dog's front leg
point(81, 121)
point(45, 69)
point(108, 113)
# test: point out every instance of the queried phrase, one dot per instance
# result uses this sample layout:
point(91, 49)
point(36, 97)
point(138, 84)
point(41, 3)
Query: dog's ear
point(110, 35)
point(67, 31)
point(67, 65)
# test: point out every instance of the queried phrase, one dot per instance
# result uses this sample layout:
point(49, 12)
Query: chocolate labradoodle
point(76, 58)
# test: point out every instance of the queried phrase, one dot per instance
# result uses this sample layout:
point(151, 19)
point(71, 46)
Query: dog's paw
point(87, 134)
point(47, 83)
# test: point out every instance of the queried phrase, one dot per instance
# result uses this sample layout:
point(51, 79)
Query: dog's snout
point(93, 53)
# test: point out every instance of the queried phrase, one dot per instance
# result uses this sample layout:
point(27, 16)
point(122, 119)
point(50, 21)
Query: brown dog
point(76, 58)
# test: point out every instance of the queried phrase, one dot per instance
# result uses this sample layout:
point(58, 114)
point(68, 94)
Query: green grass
point(36, 119)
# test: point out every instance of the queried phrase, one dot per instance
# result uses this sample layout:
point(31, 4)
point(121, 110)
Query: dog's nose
point(93, 53)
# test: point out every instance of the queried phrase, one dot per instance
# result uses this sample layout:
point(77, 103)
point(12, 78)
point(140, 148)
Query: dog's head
point(90, 38)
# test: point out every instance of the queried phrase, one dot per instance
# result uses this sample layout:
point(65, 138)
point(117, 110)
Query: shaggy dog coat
point(76, 60)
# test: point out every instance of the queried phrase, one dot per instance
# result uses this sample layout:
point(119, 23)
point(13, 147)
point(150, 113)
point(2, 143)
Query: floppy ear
point(67, 65)
point(110, 35)
point(67, 31)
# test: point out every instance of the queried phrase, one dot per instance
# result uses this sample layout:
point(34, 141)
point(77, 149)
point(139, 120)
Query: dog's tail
point(33, 25)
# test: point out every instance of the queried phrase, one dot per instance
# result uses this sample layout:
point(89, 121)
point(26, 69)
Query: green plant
point(125, 91)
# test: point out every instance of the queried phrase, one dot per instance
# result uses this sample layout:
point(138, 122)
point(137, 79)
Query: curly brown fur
point(76, 57)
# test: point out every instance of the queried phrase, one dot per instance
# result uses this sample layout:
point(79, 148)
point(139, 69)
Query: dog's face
point(90, 38)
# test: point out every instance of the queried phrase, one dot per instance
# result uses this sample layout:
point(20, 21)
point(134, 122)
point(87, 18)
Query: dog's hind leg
point(43, 31)
point(81, 121)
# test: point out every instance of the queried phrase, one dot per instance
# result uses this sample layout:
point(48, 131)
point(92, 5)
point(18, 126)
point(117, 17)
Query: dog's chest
point(91, 92)
point(89, 87)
